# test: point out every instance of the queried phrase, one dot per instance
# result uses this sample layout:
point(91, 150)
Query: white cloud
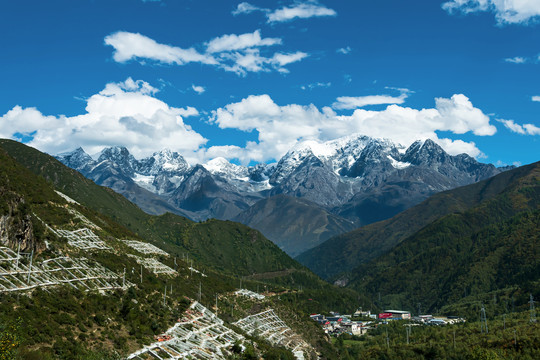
point(531, 129)
point(299, 10)
point(246, 8)
point(535, 98)
point(516, 60)
point(316, 85)
point(198, 89)
point(251, 60)
point(344, 50)
point(281, 127)
point(128, 46)
point(123, 114)
point(187, 111)
point(236, 53)
point(506, 11)
point(237, 42)
point(460, 116)
point(355, 102)
point(302, 10)
point(525, 129)
point(281, 59)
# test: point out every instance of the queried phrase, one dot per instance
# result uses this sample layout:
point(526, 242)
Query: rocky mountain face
point(16, 229)
point(353, 181)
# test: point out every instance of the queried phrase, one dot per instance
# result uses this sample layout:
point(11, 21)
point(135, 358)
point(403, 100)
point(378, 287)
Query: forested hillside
point(345, 252)
point(488, 250)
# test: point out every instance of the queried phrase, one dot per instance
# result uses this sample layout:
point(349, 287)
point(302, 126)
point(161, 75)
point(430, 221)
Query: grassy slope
point(489, 247)
point(345, 252)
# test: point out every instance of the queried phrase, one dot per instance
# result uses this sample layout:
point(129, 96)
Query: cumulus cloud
point(299, 10)
point(506, 11)
point(344, 50)
point(281, 127)
point(525, 129)
point(236, 53)
point(535, 98)
point(124, 113)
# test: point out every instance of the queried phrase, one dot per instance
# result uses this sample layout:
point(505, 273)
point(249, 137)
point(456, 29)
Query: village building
point(397, 314)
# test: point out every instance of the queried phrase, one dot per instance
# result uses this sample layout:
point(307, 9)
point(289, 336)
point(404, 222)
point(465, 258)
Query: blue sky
point(248, 80)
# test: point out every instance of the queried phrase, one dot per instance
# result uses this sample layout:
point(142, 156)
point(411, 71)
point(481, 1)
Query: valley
point(114, 282)
point(269, 180)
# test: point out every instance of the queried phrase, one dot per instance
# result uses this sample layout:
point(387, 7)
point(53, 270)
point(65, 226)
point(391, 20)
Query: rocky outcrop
point(16, 228)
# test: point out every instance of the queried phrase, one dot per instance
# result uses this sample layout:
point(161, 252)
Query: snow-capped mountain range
point(354, 180)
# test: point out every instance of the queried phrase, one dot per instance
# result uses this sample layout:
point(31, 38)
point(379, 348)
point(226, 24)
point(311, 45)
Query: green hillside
point(347, 251)
point(223, 245)
point(55, 321)
point(490, 249)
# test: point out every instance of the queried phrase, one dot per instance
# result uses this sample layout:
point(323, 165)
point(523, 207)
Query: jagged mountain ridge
point(356, 179)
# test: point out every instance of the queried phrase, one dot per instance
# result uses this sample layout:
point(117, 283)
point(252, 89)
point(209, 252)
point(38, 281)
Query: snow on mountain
point(146, 182)
point(120, 156)
point(77, 159)
point(164, 161)
point(330, 174)
point(398, 164)
point(222, 167)
point(339, 155)
point(244, 179)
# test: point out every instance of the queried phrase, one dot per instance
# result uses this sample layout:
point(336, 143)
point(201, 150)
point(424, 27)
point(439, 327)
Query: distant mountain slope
point(292, 223)
point(344, 252)
point(491, 246)
point(115, 169)
point(358, 178)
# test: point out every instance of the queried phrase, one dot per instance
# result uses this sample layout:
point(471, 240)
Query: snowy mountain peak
point(164, 161)
point(221, 166)
point(76, 159)
point(116, 154)
point(339, 155)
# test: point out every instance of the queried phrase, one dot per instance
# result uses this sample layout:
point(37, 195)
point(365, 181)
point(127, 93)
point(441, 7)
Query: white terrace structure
point(250, 294)
point(153, 265)
point(269, 326)
point(21, 273)
point(83, 239)
point(145, 248)
point(199, 334)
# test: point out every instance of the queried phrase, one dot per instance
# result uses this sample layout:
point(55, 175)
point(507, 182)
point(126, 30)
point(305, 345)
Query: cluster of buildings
point(439, 320)
point(337, 324)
